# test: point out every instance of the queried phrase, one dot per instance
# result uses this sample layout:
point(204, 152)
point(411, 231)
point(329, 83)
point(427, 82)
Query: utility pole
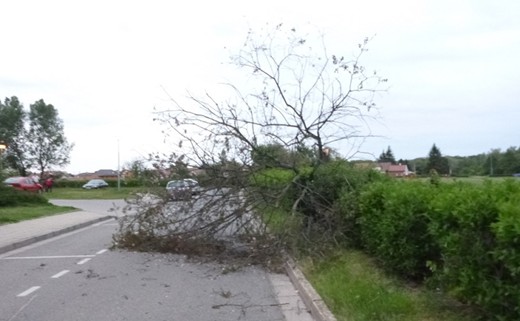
point(490, 164)
point(118, 168)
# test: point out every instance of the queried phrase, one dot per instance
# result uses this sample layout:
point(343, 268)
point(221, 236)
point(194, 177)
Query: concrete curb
point(311, 298)
point(39, 238)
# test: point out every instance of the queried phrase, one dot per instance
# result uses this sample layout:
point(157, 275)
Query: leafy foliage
point(48, 145)
point(387, 156)
point(12, 197)
point(13, 133)
point(436, 162)
point(39, 144)
point(477, 229)
point(394, 226)
point(463, 238)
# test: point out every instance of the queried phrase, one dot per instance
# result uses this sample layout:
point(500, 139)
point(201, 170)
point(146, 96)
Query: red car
point(24, 184)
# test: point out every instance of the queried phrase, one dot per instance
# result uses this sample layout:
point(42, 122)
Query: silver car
point(182, 188)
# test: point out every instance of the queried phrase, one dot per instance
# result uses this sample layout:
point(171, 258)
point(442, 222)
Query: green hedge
point(462, 237)
point(326, 198)
point(12, 197)
point(394, 224)
point(478, 230)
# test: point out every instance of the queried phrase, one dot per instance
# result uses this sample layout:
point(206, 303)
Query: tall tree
point(13, 133)
point(437, 162)
point(511, 161)
point(387, 156)
point(48, 145)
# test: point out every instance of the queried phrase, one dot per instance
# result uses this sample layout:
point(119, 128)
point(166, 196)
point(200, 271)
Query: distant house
point(102, 173)
point(106, 174)
point(395, 170)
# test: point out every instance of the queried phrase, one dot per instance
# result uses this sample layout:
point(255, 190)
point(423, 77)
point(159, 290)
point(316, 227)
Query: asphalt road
point(76, 276)
point(104, 207)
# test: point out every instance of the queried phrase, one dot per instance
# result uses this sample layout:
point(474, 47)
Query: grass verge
point(356, 290)
point(86, 194)
point(16, 214)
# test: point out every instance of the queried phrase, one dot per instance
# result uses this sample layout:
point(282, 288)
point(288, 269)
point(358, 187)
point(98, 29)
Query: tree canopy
point(35, 139)
point(437, 162)
point(14, 134)
point(387, 156)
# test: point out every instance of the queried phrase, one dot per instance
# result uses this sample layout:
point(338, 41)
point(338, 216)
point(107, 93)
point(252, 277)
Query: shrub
point(323, 200)
point(272, 178)
point(394, 226)
point(478, 230)
point(273, 186)
point(327, 201)
point(12, 197)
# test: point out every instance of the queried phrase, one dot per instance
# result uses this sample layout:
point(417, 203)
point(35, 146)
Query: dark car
point(24, 184)
point(182, 189)
point(95, 183)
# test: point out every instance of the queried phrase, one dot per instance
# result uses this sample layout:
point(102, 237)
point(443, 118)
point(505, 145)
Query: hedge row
point(325, 197)
point(462, 237)
point(12, 197)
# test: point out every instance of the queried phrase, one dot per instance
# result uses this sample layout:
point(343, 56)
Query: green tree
point(276, 155)
point(13, 133)
point(470, 166)
point(387, 156)
point(47, 144)
point(491, 166)
point(511, 161)
point(437, 162)
point(269, 155)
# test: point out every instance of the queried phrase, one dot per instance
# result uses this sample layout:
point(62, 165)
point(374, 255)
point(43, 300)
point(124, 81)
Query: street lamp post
point(118, 169)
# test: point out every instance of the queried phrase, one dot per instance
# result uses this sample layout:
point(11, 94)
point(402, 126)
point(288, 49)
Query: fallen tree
point(257, 150)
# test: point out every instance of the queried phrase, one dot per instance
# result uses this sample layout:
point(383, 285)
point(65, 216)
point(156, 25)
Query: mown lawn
point(20, 213)
point(102, 193)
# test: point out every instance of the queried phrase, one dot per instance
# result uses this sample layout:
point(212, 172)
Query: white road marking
point(84, 261)
point(22, 308)
point(60, 274)
point(28, 291)
point(101, 252)
point(46, 257)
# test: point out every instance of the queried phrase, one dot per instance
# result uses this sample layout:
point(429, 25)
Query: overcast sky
point(453, 66)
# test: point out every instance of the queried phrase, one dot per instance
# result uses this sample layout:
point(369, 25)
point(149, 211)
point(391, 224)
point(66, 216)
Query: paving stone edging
point(39, 238)
point(311, 298)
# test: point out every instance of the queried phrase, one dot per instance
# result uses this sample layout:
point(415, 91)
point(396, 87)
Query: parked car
point(194, 186)
point(95, 183)
point(24, 184)
point(182, 189)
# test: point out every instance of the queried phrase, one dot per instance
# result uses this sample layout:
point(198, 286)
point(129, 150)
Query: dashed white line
point(46, 257)
point(101, 252)
point(60, 274)
point(84, 261)
point(28, 291)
